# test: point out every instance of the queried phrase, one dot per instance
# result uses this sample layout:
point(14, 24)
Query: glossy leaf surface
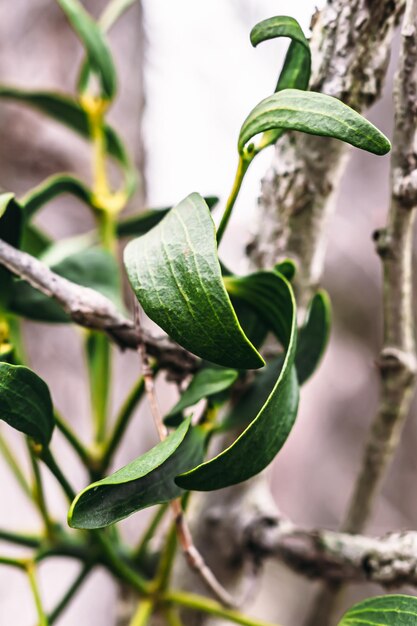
point(391, 610)
point(176, 276)
point(25, 402)
point(313, 113)
point(93, 39)
point(10, 231)
point(313, 336)
point(146, 481)
point(259, 443)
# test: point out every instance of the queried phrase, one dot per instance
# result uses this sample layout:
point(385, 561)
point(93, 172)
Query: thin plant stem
point(140, 551)
point(172, 616)
point(242, 167)
point(119, 567)
point(69, 594)
point(143, 613)
point(52, 465)
point(31, 572)
point(122, 422)
point(206, 605)
point(20, 539)
point(39, 494)
point(15, 468)
point(98, 352)
point(73, 440)
point(18, 563)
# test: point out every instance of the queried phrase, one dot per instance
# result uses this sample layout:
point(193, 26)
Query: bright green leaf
point(259, 443)
point(141, 223)
point(207, 382)
point(176, 276)
point(392, 610)
point(313, 336)
point(146, 481)
point(93, 39)
point(313, 113)
point(25, 402)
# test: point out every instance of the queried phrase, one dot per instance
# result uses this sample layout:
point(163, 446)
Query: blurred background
point(188, 76)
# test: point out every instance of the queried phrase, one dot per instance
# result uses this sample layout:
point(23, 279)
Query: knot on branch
point(404, 188)
point(394, 359)
point(394, 561)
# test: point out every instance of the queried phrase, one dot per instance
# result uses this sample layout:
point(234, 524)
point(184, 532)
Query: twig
point(397, 362)
point(91, 309)
point(192, 555)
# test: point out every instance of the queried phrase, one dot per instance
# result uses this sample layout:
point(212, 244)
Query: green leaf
point(25, 402)
point(176, 276)
point(313, 113)
point(146, 481)
point(140, 223)
point(94, 267)
point(391, 610)
point(287, 268)
point(296, 70)
point(207, 382)
point(34, 241)
point(67, 111)
point(93, 39)
point(313, 336)
point(53, 187)
point(259, 443)
point(10, 232)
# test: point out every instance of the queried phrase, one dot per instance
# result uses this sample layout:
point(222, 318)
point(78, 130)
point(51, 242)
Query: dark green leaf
point(395, 610)
point(141, 223)
point(207, 382)
point(93, 39)
point(146, 481)
point(10, 231)
point(176, 276)
point(66, 110)
point(25, 402)
point(93, 268)
point(259, 443)
point(53, 187)
point(314, 113)
point(34, 241)
point(313, 336)
point(287, 268)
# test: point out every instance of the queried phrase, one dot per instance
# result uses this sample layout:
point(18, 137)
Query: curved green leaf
point(316, 114)
point(313, 336)
point(94, 267)
point(287, 268)
point(141, 223)
point(392, 610)
point(67, 111)
point(259, 443)
point(176, 276)
point(25, 402)
point(93, 39)
point(146, 481)
point(207, 382)
point(51, 188)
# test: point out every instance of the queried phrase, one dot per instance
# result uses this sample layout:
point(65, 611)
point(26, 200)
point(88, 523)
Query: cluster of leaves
point(175, 272)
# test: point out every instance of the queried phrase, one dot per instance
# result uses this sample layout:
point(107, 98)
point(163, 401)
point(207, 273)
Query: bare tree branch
point(91, 309)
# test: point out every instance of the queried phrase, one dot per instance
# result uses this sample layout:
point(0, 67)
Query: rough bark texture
point(350, 49)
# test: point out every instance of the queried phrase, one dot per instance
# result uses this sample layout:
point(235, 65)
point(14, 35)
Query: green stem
point(140, 551)
point(51, 464)
point(122, 421)
point(73, 440)
point(70, 593)
point(20, 539)
point(107, 230)
point(19, 563)
point(99, 367)
point(39, 494)
point(31, 572)
point(206, 605)
point(14, 467)
point(172, 617)
point(167, 559)
point(242, 167)
point(143, 613)
point(119, 567)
